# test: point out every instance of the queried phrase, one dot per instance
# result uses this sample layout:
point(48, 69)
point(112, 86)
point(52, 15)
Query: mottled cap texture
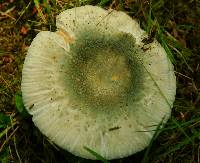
point(95, 83)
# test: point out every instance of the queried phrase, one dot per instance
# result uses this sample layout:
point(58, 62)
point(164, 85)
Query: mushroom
point(95, 83)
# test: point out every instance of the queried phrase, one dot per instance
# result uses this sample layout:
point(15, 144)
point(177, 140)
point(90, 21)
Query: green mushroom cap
point(91, 83)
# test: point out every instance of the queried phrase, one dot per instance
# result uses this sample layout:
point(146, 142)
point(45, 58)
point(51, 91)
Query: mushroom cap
point(95, 83)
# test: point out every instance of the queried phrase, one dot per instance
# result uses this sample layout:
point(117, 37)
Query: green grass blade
point(103, 2)
point(183, 143)
point(4, 132)
point(22, 13)
point(181, 51)
point(160, 35)
point(48, 8)
point(37, 5)
point(4, 120)
point(181, 129)
point(5, 155)
point(149, 21)
point(183, 124)
point(158, 4)
point(165, 46)
point(19, 103)
point(98, 156)
point(156, 134)
point(20, 106)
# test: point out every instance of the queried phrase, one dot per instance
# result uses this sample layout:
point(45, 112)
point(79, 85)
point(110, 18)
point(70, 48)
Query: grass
point(98, 157)
point(175, 24)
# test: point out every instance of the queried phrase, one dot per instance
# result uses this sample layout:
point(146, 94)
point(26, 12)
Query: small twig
point(182, 75)
point(194, 124)
point(10, 136)
point(6, 13)
point(11, 155)
point(15, 142)
point(197, 67)
point(16, 148)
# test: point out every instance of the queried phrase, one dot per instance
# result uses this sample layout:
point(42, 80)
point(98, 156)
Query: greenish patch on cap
point(104, 71)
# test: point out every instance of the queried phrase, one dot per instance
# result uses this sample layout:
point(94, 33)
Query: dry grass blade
point(8, 139)
point(22, 13)
point(39, 9)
